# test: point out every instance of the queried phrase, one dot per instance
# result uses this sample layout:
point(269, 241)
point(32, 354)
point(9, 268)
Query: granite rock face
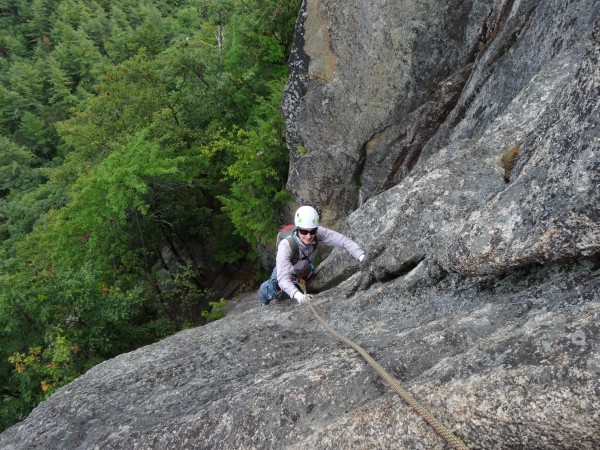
point(472, 128)
point(507, 362)
point(391, 83)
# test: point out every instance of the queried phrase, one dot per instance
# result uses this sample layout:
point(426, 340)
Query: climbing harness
point(274, 292)
point(446, 434)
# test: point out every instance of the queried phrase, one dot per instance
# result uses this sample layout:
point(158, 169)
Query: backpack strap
point(292, 240)
point(294, 246)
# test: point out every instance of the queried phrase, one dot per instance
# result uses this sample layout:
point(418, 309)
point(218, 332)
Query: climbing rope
point(446, 434)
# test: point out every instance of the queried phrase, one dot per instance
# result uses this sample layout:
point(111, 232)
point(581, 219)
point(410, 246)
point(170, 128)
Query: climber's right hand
point(301, 298)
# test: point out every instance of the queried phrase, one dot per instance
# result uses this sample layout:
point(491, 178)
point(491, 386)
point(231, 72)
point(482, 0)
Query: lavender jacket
point(306, 253)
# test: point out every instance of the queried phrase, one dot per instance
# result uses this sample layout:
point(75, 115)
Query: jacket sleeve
point(335, 239)
point(285, 268)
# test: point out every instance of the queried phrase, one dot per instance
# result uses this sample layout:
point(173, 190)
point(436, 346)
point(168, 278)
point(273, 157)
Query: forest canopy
point(141, 147)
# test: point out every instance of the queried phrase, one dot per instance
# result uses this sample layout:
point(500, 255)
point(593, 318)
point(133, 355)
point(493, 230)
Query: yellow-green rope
point(446, 434)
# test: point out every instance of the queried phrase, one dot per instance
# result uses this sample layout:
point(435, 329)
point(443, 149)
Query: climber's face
point(307, 236)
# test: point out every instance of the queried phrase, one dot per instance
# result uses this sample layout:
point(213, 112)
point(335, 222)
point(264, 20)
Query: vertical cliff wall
point(377, 86)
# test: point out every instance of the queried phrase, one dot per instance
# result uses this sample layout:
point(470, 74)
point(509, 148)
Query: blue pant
point(270, 290)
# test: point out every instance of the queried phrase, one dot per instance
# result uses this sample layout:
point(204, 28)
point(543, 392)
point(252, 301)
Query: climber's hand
point(301, 298)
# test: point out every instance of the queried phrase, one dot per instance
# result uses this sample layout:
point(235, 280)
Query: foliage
point(141, 152)
point(18, 170)
point(49, 365)
point(180, 296)
point(215, 312)
point(257, 188)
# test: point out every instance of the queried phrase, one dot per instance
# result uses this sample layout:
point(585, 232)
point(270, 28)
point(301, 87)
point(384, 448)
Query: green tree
point(142, 152)
point(258, 187)
point(17, 168)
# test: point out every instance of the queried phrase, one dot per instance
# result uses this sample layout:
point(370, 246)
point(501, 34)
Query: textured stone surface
point(385, 60)
point(481, 292)
point(504, 363)
point(410, 78)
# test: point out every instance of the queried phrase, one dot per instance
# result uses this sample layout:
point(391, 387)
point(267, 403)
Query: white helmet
point(306, 217)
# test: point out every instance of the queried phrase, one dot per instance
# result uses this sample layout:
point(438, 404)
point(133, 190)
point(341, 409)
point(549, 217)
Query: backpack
point(287, 232)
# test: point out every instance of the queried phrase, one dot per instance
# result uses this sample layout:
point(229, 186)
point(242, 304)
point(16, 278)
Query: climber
point(296, 255)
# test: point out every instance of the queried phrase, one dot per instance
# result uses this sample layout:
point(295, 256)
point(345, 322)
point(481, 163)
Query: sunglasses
point(312, 231)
